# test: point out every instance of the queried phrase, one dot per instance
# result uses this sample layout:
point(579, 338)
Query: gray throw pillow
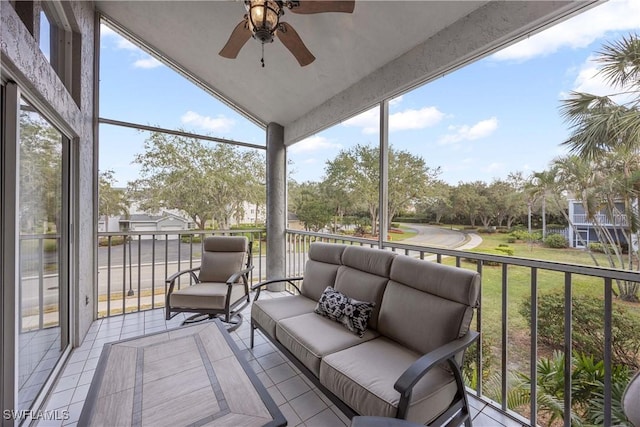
point(353, 314)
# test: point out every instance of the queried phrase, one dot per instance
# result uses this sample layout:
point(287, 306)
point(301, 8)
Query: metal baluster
point(533, 358)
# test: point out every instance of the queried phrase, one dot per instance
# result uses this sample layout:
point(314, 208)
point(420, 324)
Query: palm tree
point(599, 123)
point(541, 186)
point(605, 133)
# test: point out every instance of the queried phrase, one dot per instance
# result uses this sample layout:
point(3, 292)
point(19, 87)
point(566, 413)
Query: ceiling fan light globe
point(264, 16)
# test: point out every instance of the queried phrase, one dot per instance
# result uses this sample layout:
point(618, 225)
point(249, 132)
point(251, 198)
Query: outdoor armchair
point(219, 287)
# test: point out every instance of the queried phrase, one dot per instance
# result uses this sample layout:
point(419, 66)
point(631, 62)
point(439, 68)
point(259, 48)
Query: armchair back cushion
point(440, 301)
point(320, 269)
point(222, 257)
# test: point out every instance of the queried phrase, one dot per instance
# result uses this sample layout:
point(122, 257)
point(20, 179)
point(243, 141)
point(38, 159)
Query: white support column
point(276, 204)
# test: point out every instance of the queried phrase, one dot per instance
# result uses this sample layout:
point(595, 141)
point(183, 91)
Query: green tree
point(111, 201)
point(356, 172)
point(206, 181)
point(542, 186)
point(605, 133)
point(40, 174)
point(409, 179)
point(355, 175)
point(507, 201)
point(311, 206)
point(467, 200)
point(436, 201)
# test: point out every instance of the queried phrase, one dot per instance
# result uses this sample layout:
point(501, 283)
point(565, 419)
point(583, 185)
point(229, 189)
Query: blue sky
point(496, 116)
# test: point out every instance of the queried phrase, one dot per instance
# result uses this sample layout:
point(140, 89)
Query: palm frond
point(620, 62)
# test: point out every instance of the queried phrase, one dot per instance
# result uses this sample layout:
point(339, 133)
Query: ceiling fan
point(262, 22)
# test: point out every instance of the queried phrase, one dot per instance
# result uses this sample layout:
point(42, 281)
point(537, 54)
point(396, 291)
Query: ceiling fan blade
point(238, 38)
point(292, 41)
point(321, 6)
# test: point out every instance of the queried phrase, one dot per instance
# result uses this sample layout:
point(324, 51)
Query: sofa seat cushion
point(267, 312)
point(206, 295)
point(310, 337)
point(363, 377)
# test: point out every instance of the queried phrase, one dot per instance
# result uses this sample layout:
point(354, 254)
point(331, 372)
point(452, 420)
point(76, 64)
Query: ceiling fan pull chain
point(262, 59)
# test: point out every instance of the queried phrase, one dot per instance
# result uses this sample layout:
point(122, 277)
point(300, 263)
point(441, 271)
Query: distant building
point(166, 223)
point(250, 214)
point(584, 231)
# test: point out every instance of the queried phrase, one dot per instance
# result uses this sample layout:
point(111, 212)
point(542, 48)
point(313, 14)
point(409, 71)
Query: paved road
point(429, 235)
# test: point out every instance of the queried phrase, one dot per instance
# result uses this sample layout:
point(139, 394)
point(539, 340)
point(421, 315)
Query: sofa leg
point(253, 331)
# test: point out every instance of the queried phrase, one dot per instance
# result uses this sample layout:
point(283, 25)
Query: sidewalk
point(474, 240)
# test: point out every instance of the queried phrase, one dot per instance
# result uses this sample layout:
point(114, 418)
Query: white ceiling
point(382, 49)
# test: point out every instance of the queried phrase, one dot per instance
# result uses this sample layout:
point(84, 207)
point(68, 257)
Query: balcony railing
point(501, 312)
point(133, 267)
point(602, 219)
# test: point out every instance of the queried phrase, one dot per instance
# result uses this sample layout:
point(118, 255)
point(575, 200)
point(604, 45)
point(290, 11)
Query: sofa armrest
point(404, 385)
point(258, 287)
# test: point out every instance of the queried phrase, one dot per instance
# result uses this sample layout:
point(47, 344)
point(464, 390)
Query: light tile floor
point(299, 400)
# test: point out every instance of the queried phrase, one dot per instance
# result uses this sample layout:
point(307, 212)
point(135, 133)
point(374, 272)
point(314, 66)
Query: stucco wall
point(23, 61)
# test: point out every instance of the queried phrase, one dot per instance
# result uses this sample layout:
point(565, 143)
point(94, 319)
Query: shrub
point(496, 251)
point(187, 238)
point(395, 225)
point(604, 248)
point(115, 240)
point(588, 326)
point(556, 241)
point(505, 250)
point(50, 245)
point(524, 235)
point(511, 240)
point(503, 245)
point(469, 368)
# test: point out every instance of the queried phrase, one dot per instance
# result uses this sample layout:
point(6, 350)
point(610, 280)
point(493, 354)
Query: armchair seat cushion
point(268, 312)
point(206, 295)
point(363, 377)
point(328, 337)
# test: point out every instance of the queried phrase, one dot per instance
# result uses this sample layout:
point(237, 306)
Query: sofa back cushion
point(426, 305)
point(321, 268)
point(363, 276)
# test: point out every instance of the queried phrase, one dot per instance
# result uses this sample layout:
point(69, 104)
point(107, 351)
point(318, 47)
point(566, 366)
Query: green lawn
point(519, 289)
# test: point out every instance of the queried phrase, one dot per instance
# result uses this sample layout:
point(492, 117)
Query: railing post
point(608, 307)
point(568, 325)
point(533, 360)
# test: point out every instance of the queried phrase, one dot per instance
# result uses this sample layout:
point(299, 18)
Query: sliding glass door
point(43, 287)
point(34, 244)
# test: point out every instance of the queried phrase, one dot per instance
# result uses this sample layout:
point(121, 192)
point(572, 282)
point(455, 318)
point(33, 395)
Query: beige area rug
point(190, 376)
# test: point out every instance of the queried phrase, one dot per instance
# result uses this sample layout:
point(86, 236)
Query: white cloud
point(482, 129)
point(147, 62)
point(396, 101)
point(369, 121)
point(125, 44)
point(494, 167)
point(314, 143)
point(415, 119)
point(589, 81)
point(218, 124)
point(577, 32)
point(106, 31)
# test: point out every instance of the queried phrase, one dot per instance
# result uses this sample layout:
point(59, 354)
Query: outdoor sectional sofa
point(407, 363)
